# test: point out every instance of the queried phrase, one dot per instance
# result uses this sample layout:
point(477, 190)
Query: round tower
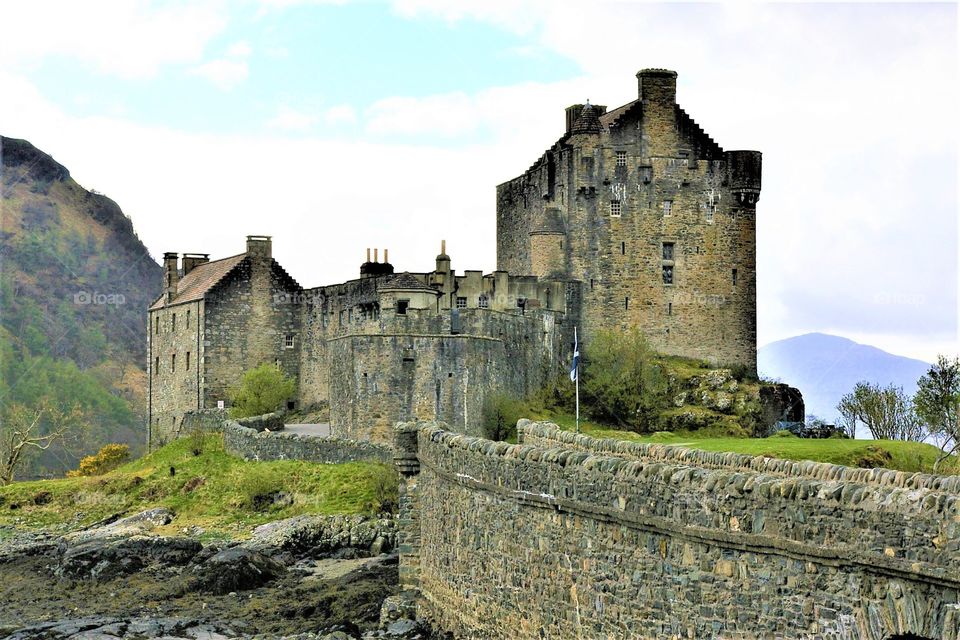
point(548, 245)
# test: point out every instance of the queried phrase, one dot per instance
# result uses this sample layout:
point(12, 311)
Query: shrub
point(107, 459)
point(623, 382)
point(263, 389)
point(386, 488)
point(500, 415)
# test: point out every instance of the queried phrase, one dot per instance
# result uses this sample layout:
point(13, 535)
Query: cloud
point(340, 115)
point(115, 37)
point(290, 119)
point(229, 71)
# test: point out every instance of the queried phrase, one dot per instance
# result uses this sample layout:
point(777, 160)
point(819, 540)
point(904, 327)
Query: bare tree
point(938, 404)
point(26, 431)
point(886, 411)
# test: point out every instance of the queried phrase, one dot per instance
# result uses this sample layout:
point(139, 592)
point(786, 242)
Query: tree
point(263, 389)
point(26, 431)
point(937, 402)
point(624, 380)
point(886, 411)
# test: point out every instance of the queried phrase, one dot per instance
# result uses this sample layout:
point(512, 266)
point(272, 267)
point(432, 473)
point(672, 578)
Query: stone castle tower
point(653, 217)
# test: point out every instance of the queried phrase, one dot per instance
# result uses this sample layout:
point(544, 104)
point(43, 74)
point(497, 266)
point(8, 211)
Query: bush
point(386, 489)
point(500, 415)
point(107, 459)
point(623, 382)
point(263, 389)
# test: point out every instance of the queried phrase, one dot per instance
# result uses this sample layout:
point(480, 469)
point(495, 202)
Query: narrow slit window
point(173, 362)
point(173, 322)
point(156, 325)
point(669, 308)
point(734, 277)
point(623, 248)
point(187, 362)
point(626, 303)
point(188, 318)
point(156, 365)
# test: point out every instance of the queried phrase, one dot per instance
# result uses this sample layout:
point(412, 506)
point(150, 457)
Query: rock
point(103, 628)
point(236, 569)
point(317, 536)
point(107, 558)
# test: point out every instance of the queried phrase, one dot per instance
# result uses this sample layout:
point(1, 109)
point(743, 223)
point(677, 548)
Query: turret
point(548, 245)
point(171, 276)
point(743, 176)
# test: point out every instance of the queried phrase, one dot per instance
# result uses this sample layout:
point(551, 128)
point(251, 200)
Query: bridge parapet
point(568, 539)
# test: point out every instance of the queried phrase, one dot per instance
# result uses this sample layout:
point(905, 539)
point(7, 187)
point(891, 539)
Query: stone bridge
point(566, 536)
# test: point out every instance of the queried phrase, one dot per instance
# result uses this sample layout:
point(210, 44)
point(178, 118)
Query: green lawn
point(213, 490)
point(902, 456)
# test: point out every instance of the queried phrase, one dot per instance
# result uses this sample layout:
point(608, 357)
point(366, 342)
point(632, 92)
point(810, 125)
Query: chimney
point(658, 93)
point(171, 277)
point(259, 247)
point(192, 260)
point(385, 260)
point(657, 86)
point(376, 258)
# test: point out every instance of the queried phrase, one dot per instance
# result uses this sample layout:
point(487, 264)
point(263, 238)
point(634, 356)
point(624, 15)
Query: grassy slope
point(221, 504)
point(903, 456)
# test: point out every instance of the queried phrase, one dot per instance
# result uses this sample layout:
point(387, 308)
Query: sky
point(335, 126)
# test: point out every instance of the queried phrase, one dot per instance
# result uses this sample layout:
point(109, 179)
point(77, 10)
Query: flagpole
point(577, 381)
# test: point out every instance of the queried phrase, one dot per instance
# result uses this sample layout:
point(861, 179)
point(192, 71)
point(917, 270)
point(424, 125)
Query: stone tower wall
point(174, 338)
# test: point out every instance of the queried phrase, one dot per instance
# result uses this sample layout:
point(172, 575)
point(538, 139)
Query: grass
point(890, 454)
point(212, 490)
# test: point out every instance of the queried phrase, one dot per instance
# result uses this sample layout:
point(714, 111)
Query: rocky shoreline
point(329, 577)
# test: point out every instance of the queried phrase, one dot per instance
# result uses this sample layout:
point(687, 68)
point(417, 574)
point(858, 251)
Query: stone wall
point(208, 420)
point(521, 541)
point(255, 442)
point(175, 354)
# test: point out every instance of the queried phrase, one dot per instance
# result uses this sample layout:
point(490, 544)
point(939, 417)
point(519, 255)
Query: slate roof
point(202, 278)
point(406, 282)
point(588, 122)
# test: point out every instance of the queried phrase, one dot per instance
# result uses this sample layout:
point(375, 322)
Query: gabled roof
point(405, 282)
point(611, 117)
point(202, 278)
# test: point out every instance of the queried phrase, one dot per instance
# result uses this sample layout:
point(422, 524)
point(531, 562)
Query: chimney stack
point(385, 260)
point(193, 260)
point(259, 247)
point(171, 275)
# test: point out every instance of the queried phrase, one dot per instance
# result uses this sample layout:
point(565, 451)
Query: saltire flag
point(576, 357)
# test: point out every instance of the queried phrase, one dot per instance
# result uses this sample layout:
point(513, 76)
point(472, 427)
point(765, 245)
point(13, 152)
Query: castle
point(634, 217)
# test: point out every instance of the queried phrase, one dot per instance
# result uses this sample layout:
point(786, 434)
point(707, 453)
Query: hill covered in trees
point(75, 282)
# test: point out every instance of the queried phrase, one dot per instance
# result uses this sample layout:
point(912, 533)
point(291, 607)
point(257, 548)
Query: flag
point(576, 357)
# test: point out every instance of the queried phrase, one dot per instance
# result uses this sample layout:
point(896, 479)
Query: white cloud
point(340, 114)
point(227, 72)
point(290, 119)
point(127, 39)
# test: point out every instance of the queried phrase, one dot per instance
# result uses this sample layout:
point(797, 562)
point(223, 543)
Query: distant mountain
point(826, 367)
point(75, 283)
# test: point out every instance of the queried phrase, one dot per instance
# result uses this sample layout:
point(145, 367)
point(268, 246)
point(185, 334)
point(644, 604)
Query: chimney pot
point(376, 257)
point(385, 259)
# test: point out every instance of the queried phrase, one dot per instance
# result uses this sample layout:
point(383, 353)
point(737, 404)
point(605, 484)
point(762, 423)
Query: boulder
point(110, 557)
point(236, 569)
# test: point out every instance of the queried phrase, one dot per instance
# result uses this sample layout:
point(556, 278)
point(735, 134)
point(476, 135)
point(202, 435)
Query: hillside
point(75, 282)
point(825, 367)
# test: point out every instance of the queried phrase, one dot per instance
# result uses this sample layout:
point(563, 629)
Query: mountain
point(75, 283)
point(826, 367)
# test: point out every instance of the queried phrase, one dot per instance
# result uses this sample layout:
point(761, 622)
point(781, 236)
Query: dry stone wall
point(256, 440)
point(522, 541)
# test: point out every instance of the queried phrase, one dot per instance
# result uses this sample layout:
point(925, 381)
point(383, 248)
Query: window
point(402, 307)
point(173, 322)
point(621, 158)
point(461, 303)
point(483, 302)
point(669, 308)
point(156, 365)
point(667, 274)
point(187, 363)
point(623, 248)
point(646, 174)
point(668, 251)
point(173, 362)
point(615, 209)
point(734, 276)
point(711, 209)
point(626, 303)
point(288, 341)
point(667, 207)
point(188, 318)
point(156, 325)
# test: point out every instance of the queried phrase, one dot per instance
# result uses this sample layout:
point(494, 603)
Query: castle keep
point(633, 218)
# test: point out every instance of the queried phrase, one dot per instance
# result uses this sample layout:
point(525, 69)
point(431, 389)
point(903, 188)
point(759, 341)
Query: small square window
point(668, 251)
point(461, 303)
point(667, 274)
point(667, 207)
point(402, 307)
point(621, 158)
point(288, 341)
point(483, 302)
point(615, 209)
